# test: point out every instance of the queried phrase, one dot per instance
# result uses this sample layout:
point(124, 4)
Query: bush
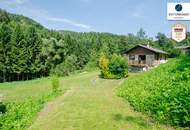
point(175, 53)
point(117, 67)
point(103, 65)
point(55, 83)
point(2, 108)
point(92, 63)
point(67, 67)
point(163, 92)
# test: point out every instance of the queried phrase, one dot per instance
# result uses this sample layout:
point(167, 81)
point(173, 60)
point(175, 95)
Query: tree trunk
point(9, 79)
point(4, 77)
point(23, 76)
point(18, 77)
point(26, 76)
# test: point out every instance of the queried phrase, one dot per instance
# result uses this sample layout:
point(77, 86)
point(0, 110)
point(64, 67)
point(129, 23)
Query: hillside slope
point(163, 92)
point(9, 17)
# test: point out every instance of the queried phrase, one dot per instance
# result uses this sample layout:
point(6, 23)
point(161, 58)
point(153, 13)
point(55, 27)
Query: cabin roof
point(183, 47)
point(148, 48)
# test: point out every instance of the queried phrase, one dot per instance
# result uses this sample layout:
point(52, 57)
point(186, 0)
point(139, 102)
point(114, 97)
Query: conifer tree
point(17, 51)
point(5, 45)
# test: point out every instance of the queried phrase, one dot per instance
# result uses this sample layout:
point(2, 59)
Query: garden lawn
point(20, 90)
point(91, 104)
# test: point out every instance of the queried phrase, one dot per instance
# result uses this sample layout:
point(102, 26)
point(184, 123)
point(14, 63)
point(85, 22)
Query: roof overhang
point(157, 51)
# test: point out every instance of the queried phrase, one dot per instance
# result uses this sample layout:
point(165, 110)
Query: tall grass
point(19, 114)
point(55, 83)
point(164, 92)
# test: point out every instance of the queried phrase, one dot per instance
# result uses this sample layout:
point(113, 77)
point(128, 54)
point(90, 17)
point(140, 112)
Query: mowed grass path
point(90, 103)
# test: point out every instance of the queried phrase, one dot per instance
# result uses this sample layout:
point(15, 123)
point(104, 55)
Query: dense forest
point(28, 50)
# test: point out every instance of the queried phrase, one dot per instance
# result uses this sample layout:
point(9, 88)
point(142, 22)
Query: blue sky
point(114, 16)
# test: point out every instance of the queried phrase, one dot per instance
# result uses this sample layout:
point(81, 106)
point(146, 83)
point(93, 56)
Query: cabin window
point(142, 57)
point(131, 57)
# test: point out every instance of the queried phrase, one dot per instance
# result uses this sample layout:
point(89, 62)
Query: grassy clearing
point(25, 99)
point(90, 104)
point(19, 91)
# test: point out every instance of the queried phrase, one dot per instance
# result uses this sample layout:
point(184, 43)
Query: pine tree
point(4, 17)
point(5, 45)
point(17, 51)
point(33, 50)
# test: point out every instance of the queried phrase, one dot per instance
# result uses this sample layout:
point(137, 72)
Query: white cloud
point(68, 21)
point(41, 14)
point(20, 1)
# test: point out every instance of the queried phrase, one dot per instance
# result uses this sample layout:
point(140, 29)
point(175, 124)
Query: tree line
point(28, 50)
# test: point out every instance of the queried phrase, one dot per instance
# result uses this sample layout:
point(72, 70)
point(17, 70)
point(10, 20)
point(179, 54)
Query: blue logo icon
point(178, 7)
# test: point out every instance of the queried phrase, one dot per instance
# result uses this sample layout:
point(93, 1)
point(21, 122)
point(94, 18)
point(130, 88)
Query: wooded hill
point(28, 50)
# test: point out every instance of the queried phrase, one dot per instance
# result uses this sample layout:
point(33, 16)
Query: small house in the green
point(146, 56)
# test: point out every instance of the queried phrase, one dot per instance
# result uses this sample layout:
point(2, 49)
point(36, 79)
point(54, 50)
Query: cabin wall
point(150, 58)
point(160, 58)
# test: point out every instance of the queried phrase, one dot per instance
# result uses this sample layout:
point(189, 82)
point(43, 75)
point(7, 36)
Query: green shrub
point(2, 108)
point(67, 67)
point(117, 67)
point(174, 53)
point(103, 65)
point(55, 83)
point(163, 92)
point(92, 63)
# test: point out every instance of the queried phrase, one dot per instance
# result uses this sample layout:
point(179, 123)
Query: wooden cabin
point(146, 56)
point(184, 49)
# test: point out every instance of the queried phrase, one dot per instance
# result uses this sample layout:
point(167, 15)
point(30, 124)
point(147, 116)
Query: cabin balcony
point(137, 63)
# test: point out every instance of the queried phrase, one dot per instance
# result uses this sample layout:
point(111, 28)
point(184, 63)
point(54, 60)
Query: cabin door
point(150, 60)
point(142, 59)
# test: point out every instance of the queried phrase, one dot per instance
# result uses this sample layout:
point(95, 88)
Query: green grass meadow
point(86, 103)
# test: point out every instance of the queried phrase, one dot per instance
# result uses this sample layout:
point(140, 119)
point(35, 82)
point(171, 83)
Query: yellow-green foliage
point(103, 65)
point(117, 67)
point(164, 92)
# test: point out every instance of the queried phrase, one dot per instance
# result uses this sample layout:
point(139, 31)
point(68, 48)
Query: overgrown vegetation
point(23, 100)
point(55, 83)
point(2, 107)
point(116, 67)
point(163, 92)
point(19, 115)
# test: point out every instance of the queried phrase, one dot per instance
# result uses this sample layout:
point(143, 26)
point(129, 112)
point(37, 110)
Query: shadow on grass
point(135, 120)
